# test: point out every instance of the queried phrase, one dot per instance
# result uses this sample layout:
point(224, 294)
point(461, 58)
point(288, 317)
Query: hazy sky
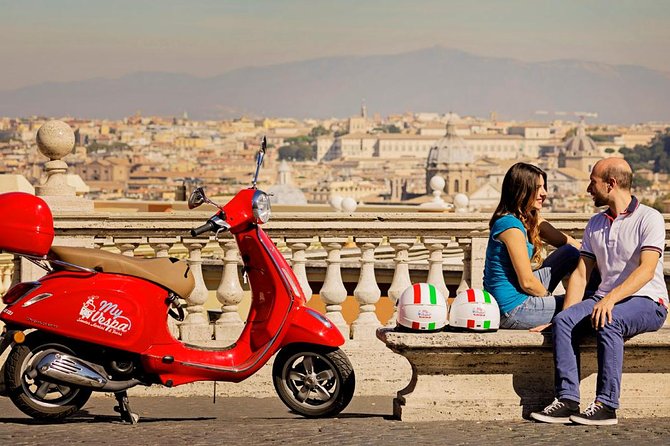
point(63, 40)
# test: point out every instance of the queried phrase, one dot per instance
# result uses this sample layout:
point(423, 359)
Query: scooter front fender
point(311, 327)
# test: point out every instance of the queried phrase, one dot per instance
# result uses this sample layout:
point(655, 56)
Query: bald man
point(625, 243)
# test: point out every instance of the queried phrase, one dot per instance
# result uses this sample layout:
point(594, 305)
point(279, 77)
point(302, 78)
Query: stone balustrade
point(367, 258)
point(335, 256)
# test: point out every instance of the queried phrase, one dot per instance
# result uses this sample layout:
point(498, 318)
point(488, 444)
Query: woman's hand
point(540, 328)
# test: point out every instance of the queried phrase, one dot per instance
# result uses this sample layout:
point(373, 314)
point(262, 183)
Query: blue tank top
point(499, 276)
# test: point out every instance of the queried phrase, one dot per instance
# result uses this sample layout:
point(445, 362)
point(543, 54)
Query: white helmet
point(422, 307)
point(475, 310)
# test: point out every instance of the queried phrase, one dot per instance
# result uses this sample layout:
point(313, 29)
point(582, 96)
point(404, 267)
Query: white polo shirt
point(615, 242)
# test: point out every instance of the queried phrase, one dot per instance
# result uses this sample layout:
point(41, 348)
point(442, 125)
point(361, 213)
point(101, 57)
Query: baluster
point(127, 246)
point(298, 261)
point(5, 279)
point(196, 324)
point(435, 265)
point(333, 293)
point(161, 246)
point(466, 245)
point(401, 278)
point(8, 274)
point(99, 242)
point(229, 294)
point(367, 292)
point(477, 260)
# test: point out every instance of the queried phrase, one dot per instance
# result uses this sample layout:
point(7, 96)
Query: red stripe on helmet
point(417, 293)
point(471, 323)
point(471, 295)
point(415, 326)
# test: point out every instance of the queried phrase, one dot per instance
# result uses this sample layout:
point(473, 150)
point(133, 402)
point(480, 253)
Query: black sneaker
point(597, 414)
point(557, 412)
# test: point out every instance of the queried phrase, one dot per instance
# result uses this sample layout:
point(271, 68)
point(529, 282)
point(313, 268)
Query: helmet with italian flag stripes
point(474, 310)
point(422, 307)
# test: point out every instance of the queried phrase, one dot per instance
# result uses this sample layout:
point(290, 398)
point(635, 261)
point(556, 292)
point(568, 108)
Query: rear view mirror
point(197, 198)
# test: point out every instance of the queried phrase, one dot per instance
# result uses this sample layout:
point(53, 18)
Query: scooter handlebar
point(209, 226)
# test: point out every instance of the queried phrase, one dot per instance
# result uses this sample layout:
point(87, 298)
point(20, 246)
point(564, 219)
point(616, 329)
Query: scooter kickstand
point(127, 415)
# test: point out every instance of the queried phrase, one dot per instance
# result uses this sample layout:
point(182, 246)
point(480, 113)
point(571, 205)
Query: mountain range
point(435, 79)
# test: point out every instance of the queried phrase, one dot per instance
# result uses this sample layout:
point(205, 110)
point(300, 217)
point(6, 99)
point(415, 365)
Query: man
point(626, 244)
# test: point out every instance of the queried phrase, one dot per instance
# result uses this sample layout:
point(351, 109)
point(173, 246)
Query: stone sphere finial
point(437, 183)
point(55, 139)
point(336, 202)
point(349, 204)
point(461, 202)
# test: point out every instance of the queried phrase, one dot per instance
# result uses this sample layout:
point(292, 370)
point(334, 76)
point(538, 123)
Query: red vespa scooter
point(97, 321)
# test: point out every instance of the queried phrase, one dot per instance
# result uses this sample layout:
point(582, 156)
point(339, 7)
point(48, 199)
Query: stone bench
point(507, 374)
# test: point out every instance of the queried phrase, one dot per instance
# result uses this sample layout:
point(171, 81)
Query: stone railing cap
point(399, 341)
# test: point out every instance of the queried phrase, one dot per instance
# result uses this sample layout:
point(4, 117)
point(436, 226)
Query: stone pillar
point(401, 278)
point(367, 292)
point(230, 294)
point(196, 324)
point(298, 260)
point(435, 265)
point(333, 293)
point(55, 140)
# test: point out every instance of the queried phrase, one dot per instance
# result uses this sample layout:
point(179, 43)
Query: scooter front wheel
point(313, 380)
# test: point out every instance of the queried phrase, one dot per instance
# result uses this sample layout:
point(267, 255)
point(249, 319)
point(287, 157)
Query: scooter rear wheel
point(35, 397)
point(312, 380)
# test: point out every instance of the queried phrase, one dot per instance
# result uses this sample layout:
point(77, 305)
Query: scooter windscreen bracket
point(259, 161)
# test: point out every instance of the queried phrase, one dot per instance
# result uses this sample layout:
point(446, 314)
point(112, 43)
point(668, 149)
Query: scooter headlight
point(261, 207)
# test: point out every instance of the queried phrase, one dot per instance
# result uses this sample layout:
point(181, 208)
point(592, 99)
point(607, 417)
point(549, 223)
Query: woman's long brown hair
point(519, 189)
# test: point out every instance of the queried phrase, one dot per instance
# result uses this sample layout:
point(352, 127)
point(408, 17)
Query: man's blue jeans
point(634, 315)
point(535, 310)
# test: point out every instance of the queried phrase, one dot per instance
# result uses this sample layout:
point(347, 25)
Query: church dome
point(450, 149)
point(580, 144)
point(284, 192)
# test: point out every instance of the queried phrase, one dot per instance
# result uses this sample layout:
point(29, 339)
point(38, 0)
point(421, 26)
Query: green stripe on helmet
point(431, 326)
point(433, 294)
point(487, 325)
point(487, 296)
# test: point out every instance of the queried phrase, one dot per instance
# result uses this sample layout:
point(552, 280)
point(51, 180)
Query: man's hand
point(602, 312)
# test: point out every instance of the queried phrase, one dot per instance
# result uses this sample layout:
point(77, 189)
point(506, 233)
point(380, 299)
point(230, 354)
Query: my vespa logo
point(104, 316)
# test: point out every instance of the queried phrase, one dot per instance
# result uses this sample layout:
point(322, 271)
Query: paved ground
point(196, 421)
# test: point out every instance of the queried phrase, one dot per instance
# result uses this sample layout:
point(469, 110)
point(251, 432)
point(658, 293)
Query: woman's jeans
point(535, 310)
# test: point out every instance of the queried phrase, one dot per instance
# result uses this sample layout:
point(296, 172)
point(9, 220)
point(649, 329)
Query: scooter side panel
point(271, 300)
point(180, 364)
point(112, 310)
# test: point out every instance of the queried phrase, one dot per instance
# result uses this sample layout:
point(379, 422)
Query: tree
point(639, 182)
point(318, 131)
point(300, 148)
point(655, 156)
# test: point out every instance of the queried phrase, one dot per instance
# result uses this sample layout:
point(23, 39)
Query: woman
point(515, 244)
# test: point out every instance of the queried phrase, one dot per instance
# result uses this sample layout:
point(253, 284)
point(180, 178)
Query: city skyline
point(76, 40)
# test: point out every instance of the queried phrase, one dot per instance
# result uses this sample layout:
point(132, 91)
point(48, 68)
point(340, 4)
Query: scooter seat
point(171, 273)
